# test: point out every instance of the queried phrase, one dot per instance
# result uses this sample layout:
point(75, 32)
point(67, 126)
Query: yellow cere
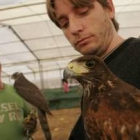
point(77, 67)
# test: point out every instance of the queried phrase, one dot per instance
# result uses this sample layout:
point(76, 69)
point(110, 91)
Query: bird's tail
point(44, 124)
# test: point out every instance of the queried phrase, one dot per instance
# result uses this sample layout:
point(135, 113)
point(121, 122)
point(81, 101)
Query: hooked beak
point(68, 73)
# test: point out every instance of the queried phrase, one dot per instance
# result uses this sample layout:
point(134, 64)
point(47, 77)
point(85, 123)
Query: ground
point(61, 124)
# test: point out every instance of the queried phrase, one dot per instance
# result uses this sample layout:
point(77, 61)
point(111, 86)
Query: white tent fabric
point(32, 44)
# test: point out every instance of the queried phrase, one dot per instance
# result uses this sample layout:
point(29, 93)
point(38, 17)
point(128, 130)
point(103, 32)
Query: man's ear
point(110, 9)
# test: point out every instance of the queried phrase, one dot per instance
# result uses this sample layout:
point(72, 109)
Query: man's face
point(89, 30)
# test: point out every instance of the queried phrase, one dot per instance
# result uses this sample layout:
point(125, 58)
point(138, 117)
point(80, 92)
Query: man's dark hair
point(77, 3)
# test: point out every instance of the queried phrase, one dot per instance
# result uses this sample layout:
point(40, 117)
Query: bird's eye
point(90, 63)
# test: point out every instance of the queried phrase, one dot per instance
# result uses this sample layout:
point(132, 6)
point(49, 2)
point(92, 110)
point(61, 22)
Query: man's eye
point(83, 13)
point(65, 25)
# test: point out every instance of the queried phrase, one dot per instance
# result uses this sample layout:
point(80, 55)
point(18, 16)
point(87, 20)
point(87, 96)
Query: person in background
point(91, 28)
point(65, 86)
point(17, 120)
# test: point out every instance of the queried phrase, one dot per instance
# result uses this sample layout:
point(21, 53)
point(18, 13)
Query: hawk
point(110, 107)
point(32, 94)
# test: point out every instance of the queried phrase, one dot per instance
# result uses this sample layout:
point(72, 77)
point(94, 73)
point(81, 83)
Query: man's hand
point(29, 123)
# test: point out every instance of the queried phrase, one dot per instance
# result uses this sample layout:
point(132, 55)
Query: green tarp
point(59, 100)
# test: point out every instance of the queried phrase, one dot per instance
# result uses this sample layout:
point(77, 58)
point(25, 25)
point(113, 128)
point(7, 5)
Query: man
point(91, 28)
point(13, 112)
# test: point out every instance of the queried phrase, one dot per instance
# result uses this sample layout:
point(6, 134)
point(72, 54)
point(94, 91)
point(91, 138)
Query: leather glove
point(30, 123)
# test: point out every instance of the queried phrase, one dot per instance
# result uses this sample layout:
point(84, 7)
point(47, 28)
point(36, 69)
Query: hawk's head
point(88, 69)
point(16, 75)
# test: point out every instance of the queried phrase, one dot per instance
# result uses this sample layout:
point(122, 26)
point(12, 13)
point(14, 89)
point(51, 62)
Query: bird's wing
point(110, 124)
point(114, 115)
point(30, 93)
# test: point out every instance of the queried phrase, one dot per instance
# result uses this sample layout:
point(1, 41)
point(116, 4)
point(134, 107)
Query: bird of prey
point(32, 94)
point(110, 106)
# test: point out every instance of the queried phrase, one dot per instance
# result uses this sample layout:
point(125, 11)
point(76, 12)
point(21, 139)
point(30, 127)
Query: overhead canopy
point(32, 44)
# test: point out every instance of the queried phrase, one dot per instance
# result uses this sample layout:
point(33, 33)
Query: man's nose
point(75, 26)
